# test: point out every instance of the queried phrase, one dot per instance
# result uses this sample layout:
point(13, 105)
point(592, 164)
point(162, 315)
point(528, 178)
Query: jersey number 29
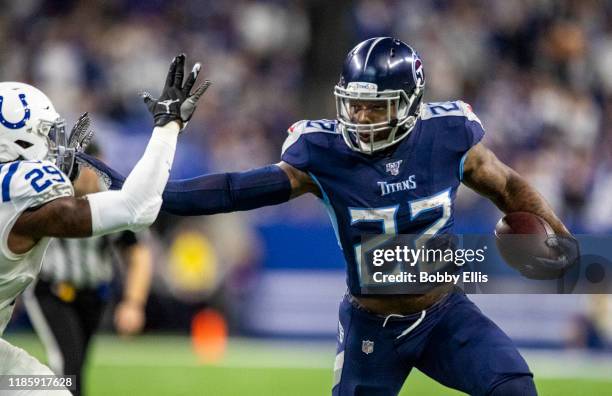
point(45, 178)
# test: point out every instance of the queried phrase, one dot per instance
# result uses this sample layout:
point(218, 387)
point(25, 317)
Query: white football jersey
point(24, 185)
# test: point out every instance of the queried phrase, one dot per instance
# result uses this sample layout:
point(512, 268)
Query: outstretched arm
point(138, 202)
point(135, 206)
point(227, 192)
point(223, 192)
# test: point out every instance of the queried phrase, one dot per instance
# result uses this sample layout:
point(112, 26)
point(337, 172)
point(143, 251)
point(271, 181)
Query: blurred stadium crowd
point(537, 72)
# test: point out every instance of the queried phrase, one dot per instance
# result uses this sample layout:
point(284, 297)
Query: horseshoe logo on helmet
point(19, 124)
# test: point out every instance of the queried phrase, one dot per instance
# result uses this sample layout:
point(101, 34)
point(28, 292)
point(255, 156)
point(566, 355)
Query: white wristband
point(137, 204)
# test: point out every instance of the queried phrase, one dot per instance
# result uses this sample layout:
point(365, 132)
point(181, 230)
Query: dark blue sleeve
point(215, 193)
point(474, 132)
point(227, 192)
point(458, 134)
point(296, 157)
point(295, 148)
point(113, 179)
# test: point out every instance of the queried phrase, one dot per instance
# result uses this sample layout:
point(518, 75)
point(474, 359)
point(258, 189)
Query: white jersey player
point(36, 197)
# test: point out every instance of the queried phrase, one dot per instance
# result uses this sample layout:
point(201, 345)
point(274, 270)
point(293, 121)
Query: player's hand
point(129, 318)
point(176, 102)
point(568, 255)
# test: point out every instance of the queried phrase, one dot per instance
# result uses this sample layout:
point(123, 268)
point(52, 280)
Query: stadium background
point(538, 73)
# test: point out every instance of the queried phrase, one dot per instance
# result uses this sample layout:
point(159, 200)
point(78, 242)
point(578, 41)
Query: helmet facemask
point(402, 112)
point(60, 151)
point(60, 146)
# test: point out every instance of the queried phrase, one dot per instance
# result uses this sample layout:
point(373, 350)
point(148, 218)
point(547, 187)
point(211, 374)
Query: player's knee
point(517, 386)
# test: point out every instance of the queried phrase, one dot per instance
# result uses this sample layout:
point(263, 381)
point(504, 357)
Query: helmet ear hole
point(23, 144)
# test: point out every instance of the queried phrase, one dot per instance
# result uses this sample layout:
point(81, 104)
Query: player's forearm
point(137, 204)
point(215, 193)
point(64, 217)
point(519, 196)
point(227, 192)
point(138, 280)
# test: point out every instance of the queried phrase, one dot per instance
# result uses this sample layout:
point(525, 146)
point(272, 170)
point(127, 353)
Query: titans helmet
point(385, 70)
point(30, 128)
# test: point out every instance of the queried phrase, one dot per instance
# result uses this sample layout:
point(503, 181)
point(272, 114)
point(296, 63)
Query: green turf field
point(166, 365)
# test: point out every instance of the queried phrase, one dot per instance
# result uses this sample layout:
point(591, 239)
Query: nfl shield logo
point(367, 346)
point(393, 167)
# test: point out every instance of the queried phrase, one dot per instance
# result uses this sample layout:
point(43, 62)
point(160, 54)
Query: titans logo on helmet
point(417, 71)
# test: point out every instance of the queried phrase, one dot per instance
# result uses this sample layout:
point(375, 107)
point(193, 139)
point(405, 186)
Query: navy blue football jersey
point(408, 190)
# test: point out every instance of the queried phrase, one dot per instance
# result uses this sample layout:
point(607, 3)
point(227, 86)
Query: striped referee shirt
point(84, 263)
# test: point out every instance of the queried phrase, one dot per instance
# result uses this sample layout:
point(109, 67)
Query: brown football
point(521, 236)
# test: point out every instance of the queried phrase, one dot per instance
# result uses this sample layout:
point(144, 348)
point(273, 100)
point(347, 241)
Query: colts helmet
point(30, 128)
point(380, 69)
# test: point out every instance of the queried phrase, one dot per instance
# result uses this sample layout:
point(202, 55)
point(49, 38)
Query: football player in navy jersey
point(391, 164)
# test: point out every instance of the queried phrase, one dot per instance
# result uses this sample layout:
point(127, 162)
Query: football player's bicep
point(301, 182)
point(485, 173)
point(508, 190)
point(65, 217)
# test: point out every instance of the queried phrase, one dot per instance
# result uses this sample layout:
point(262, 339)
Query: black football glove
point(176, 102)
point(568, 255)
